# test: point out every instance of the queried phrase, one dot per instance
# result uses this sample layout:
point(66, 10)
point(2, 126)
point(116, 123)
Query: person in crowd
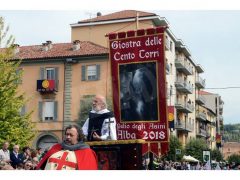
point(5, 153)
point(71, 154)
point(35, 162)
point(26, 155)
point(5, 166)
point(39, 153)
point(101, 124)
point(15, 157)
point(28, 165)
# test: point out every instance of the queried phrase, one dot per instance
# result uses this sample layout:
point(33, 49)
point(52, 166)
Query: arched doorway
point(46, 141)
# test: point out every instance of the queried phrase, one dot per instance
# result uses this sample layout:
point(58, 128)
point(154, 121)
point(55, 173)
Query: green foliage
point(14, 126)
point(234, 158)
point(195, 148)
point(216, 155)
point(4, 35)
point(231, 133)
point(173, 145)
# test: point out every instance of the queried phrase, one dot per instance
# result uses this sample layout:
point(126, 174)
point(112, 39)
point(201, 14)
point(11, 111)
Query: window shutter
point(42, 69)
point(18, 71)
point(40, 109)
point(23, 110)
point(56, 78)
point(83, 73)
point(98, 71)
point(55, 110)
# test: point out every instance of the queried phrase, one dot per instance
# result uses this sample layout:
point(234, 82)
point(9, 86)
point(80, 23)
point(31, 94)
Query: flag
point(218, 140)
point(171, 117)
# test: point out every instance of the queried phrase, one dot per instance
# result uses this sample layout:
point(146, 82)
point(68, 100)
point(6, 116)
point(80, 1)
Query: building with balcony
point(215, 103)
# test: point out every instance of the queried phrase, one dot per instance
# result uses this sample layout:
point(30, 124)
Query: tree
point(195, 148)
point(15, 127)
point(216, 155)
point(234, 158)
point(173, 145)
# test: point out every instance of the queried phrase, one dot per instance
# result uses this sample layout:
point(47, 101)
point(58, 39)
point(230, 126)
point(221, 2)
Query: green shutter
point(56, 78)
point(42, 69)
point(83, 73)
point(55, 110)
point(98, 72)
point(19, 81)
point(23, 110)
point(40, 109)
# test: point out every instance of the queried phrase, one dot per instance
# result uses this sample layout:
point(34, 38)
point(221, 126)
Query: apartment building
point(183, 73)
point(215, 103)
point(56, 77)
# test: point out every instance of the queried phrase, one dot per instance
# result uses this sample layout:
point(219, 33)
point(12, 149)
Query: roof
point(60, 50)
point(125, 14)
point(204, 93)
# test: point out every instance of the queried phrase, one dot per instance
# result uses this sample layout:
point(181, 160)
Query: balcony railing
point(200, 100)
point(220, 118)
point(183, 86)
point(202, 133)
point(200, 82)
point(221, 108)
point(183, 126)
point(201, 116)
point(182, 66)
point(167, 68)
point(184, 106)
point(167, 44)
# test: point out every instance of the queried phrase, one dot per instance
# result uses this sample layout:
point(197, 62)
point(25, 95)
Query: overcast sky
point(211, 36)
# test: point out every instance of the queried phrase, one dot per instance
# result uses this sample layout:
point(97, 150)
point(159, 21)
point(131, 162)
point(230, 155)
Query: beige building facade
point(230, 148)
point(76, 72)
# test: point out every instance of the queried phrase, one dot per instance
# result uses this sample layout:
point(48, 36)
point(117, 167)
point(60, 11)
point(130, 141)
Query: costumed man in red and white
point(71, 154)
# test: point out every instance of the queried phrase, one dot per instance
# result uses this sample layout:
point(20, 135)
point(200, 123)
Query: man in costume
point(71, 154)
point(101, 124)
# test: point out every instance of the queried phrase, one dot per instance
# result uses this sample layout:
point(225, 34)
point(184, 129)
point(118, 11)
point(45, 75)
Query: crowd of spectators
point(19, 158)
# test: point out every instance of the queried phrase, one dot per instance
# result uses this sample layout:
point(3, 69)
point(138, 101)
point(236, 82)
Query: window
point(167, 43)
point(171, 69)
point(48, 110)
point(167, 67)
point(50, 73)
point(91, 72)
point(171, 45)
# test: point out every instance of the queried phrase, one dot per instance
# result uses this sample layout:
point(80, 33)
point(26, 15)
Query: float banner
point(139, 85)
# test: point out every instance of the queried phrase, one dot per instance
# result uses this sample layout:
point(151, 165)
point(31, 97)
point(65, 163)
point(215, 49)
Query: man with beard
point(71, 154)
point(101, 124)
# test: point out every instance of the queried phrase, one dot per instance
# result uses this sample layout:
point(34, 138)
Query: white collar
point(100, 112)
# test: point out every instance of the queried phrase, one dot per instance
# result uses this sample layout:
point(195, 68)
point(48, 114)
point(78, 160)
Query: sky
point(212, 36)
